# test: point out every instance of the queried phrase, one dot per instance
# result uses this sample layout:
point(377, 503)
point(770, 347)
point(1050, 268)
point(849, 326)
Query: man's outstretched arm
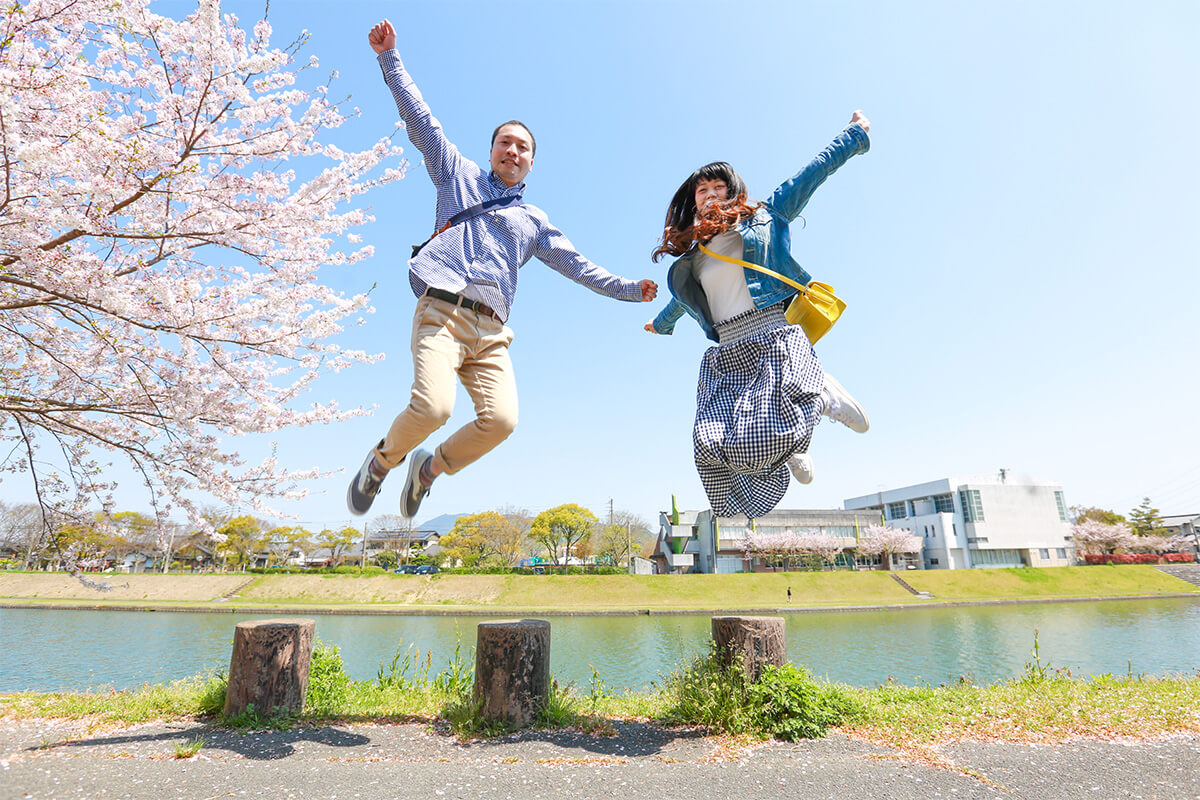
point(557, 252)
point(424, 131)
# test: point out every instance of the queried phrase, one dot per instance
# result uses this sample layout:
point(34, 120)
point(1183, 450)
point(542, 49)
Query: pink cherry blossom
point(166, 209)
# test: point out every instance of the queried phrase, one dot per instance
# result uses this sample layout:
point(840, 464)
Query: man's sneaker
point(364, 487)
point(840, 406)
point(801, 466)
point(414, 488)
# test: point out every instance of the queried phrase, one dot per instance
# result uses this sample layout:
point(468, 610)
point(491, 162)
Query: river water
point(50, 649)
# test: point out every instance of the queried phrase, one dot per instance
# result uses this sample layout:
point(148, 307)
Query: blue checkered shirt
point(480, 258)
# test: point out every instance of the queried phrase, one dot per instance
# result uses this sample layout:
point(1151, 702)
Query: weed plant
point(189, 748)
point(785, 703)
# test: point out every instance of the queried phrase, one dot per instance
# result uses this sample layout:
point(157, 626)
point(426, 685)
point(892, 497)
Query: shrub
point(1138, 558)
point(789, 705)
point(786, 702)
point(328, 683)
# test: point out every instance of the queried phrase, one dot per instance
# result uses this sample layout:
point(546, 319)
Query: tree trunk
point(269, 666)
point(756, 641)
point(512, 670)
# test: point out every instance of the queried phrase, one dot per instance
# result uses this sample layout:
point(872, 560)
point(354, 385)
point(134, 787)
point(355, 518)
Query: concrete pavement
point(59, 760)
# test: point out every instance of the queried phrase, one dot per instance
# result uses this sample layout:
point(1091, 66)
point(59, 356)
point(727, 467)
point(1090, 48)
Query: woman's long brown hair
point(684, 226)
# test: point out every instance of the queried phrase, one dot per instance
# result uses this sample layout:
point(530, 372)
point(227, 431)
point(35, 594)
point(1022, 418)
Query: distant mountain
point(441, 524)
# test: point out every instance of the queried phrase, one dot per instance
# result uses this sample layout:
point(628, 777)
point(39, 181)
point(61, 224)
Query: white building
point(1002, 520)
point(699, 541)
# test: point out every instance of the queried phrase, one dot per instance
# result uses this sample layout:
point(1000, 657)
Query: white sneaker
point(801, 465)
point(843, 408)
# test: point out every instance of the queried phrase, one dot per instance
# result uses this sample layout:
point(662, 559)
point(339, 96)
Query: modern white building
point(1003, 520)
point(699, 541)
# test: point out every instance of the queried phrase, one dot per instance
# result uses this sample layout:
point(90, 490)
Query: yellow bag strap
point(803, 289)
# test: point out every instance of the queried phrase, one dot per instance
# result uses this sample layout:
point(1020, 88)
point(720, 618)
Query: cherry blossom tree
point(788, 545)
point(1153, 543)
point(771, 546)
point(1093, 536)
point(886, 541)
point(166, 204)
point(821, 545)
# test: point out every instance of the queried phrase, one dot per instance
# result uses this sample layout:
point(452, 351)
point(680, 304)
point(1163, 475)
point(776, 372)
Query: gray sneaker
point(363, 488)
point(840, 406)
point(414, 488)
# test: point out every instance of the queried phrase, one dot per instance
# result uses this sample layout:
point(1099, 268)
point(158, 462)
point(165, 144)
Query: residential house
point(138, 561)
point(407, 544)
point(1187, 525)
point(1002, 520)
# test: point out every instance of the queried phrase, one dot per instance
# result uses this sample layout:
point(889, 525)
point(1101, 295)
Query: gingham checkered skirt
point(757, 403)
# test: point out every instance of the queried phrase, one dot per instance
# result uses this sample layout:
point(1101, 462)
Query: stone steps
point(1185, 572)
point(909, 587)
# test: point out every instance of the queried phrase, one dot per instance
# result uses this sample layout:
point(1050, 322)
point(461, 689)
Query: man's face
point(710, 191)
point(512, 154)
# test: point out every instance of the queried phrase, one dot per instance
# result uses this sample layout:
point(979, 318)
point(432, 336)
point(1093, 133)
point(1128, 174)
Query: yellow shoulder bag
point(814, 309)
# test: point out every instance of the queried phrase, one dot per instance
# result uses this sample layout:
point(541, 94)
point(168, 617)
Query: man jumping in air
point(465, 278)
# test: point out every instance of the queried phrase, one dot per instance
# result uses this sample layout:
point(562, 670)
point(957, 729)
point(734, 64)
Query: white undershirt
point(722, 282)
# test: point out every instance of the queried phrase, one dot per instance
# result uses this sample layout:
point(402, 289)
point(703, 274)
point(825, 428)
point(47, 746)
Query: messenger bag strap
point(803, 289)
point(471, 213)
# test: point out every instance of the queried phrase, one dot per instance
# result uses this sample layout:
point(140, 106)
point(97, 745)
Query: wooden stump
point(758, 641)
point(512, 670)
point(269, 666)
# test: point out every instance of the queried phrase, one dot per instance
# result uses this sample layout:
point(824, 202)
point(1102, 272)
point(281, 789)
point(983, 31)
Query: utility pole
point(629, 554)
point(362, 558)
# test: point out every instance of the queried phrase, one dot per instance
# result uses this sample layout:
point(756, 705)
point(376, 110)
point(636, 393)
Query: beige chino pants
point(450, 341)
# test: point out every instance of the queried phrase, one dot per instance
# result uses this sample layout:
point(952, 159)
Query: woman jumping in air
point(761, 390)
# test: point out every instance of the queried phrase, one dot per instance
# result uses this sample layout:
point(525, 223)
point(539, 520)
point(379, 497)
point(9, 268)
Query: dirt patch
point(389, 589)
point(332, 589)
point(163, 588)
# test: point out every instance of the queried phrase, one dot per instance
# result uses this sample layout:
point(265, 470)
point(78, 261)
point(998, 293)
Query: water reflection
point(55, 649)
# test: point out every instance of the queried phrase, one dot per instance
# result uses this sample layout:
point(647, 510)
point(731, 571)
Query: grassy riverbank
point(1042, 706)
point(589, 593)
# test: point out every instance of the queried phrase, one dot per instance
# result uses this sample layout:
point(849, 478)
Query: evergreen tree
point(1145, 520)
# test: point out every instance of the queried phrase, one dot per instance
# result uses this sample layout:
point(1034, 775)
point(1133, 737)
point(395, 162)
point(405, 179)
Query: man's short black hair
point(496, 132)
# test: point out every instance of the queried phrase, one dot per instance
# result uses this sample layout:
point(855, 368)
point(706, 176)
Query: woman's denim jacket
point(766, 241)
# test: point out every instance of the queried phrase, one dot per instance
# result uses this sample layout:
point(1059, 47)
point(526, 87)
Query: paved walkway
point(54, 760)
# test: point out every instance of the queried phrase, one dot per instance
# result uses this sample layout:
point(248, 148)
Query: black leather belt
point(465, 302)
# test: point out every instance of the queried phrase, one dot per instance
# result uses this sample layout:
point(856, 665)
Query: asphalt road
point(46, 759)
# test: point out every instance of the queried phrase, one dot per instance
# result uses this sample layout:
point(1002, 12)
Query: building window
point(897, 510)
point(1062, 507)
point(1062, 552)
point(943, 503)
point(1044, 553)
point(933, 561)
point(971, 504)
point(996, 558)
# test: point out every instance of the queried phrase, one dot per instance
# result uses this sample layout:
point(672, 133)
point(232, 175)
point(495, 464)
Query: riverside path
point(59, 760)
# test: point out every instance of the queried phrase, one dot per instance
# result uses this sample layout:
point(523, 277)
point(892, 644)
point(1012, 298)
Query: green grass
point(1045, 582)
point(1052, 710)
point(666, 593)
point(190, 698)
point(1043, 705)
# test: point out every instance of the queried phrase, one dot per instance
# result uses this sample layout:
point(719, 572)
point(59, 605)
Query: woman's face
point(709, 191)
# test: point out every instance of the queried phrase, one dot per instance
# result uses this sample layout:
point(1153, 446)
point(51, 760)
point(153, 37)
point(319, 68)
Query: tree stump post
point(269, 666)
point(758, 641)
point(512, 670)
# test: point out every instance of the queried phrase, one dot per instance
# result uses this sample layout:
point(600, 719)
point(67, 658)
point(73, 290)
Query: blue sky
point(1019, 249)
